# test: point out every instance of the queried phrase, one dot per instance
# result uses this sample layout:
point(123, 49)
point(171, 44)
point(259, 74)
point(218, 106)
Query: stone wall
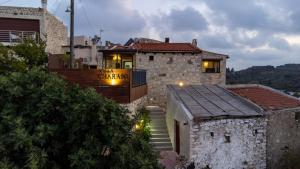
point(52, 28)
point(283, 136)
point(56, 34)
point(229, 143)
point(172, 68)
point(134, 106)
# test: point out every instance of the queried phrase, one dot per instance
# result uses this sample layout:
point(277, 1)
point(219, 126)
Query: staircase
point(160, 136)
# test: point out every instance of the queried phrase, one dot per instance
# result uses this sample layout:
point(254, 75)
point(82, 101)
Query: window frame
point(215, 61)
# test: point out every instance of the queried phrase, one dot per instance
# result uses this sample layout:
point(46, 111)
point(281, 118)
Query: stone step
point(160, 120)
point(153, 108)
point(160, 144)
point(160, 139)
point(160, 132)
point(158, 127)
point(163, 148)
point(156, 115)
point(160, 135)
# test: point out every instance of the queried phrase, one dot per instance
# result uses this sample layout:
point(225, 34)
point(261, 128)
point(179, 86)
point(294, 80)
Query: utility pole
point(72, 35)
point(101, 30)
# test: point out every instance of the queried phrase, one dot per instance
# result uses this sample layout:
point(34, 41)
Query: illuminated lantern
point(116, 57)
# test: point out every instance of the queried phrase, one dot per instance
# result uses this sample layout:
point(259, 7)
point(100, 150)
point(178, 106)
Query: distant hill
point(285, 77)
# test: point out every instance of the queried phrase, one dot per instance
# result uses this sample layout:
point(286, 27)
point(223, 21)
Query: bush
point(44, 123)
point(23, 56)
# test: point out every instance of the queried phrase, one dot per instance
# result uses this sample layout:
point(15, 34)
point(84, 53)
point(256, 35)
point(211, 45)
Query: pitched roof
point(167, 47)
point(212, 101)
point(267, 98)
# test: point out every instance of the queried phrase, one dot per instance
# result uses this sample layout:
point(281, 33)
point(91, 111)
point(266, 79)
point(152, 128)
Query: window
point(210, 66)
point(227, 138)
point(151, 58)
point(297, 116)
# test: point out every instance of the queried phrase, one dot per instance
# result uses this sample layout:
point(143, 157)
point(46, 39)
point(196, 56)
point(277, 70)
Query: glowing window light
point(205, 64)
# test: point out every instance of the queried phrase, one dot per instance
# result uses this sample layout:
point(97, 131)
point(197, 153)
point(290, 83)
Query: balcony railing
point(11, 36)
point(138, 77)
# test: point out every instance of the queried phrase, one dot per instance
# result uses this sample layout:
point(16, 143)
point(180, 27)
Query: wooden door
point(177, 136)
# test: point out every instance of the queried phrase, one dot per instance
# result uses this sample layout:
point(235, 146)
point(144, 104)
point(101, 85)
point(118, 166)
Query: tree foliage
point(285, 77)
point(44, 123)
point(23, 56)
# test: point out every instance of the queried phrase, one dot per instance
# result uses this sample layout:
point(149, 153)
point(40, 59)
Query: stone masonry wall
point(57, 34)
point(53, 28)
point(229, 143)
point(135, 105)
point(172, 68)
point(283, 136)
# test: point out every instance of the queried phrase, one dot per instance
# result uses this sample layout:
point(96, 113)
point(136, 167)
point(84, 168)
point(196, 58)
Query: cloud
point(280, 44)
point(119, 22)
point(245, 30)
point(188, 19)
point(179, 22)
point(215, 41)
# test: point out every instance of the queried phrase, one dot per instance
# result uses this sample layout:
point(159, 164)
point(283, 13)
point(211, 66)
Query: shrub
point(23, 56)
point(44, 123)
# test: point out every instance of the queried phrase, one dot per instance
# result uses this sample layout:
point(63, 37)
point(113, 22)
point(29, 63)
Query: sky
point(251, 32)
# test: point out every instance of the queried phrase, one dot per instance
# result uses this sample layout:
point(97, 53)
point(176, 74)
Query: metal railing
point(139, 77)
point(12, 36)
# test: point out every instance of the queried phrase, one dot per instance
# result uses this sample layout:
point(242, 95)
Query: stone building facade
point(229, 143)
point(175, 68)
point(51, 29)
point(283, 121)
point(167, 63)
point(283, 136)
point(215, 129)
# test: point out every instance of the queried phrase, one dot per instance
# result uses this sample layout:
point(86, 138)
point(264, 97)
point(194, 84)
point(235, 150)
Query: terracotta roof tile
point(167, 47)
point(266, 98)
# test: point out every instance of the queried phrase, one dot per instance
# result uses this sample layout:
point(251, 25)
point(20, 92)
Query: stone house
point(215, 128)
point(237, 126)
point(17, 23)
point(167, 63)
point(85, 52)
point(283, 121)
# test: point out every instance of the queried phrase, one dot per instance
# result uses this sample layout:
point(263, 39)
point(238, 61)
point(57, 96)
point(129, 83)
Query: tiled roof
point(167, 47)
point(268, 99)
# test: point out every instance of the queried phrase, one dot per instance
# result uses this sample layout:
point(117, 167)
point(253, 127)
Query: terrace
point(122, 85)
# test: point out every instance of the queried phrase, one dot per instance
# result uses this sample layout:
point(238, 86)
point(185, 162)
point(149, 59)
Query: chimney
point(167, 40)
point(194, 42)
point(44, 4)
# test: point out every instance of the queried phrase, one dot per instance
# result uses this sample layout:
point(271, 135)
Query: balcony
point(9, 37)
point(122, 85)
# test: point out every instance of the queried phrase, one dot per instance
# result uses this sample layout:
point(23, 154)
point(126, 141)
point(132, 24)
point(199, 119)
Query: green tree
point(45, 123)
point(23, 56)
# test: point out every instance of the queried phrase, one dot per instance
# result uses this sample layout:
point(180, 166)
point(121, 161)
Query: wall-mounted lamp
point(181, 84)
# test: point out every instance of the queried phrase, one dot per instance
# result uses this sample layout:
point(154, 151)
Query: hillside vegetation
point(285, 77)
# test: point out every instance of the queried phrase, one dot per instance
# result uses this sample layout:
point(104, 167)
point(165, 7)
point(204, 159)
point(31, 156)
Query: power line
point(87, 18)
point(5, 2)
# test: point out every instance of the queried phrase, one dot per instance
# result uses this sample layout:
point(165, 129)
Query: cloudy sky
point(251, 32)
